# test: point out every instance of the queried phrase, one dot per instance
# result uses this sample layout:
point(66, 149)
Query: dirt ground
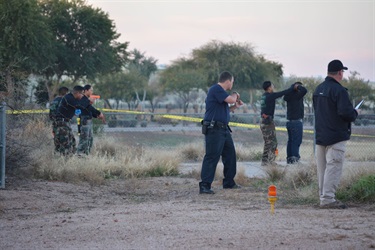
point(168, 213)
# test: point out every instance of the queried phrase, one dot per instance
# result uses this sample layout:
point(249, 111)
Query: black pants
point(219, 142)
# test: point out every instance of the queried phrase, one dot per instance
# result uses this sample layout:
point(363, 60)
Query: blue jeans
point(219, 142)
point(295, 131)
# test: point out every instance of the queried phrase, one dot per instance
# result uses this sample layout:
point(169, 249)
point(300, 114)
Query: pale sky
point(301, 35)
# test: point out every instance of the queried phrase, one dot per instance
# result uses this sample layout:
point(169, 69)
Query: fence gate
point(2, 144)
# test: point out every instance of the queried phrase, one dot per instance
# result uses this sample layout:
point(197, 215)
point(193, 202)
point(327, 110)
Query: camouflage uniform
point(85, 137)
point(64, 138)
point(270, 143)
point(52, 116)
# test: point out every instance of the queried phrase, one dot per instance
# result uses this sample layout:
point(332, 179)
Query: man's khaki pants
point(329, 162)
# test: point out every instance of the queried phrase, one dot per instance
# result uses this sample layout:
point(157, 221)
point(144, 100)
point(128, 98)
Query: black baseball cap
point(336, 65)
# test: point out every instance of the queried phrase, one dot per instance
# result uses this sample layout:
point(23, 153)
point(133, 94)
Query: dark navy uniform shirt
point(216, 108)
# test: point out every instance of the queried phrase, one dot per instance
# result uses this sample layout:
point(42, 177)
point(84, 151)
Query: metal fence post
point(2, 144)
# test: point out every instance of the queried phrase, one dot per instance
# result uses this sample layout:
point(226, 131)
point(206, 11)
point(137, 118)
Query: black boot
point(205, 188)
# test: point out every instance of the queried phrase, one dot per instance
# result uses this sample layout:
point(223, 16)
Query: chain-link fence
point(246, 131)
point(245, 126)
point(2, 144)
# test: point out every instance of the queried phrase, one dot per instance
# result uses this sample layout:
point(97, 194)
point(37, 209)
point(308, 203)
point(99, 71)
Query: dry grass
point(299, 176)
point(191, 152)
point(360, 150)
point(244, 154)
point(356, 171)
point(194, 152)
point(275, 173)
point(108, 159)
point(112, 159)
point(24, 135)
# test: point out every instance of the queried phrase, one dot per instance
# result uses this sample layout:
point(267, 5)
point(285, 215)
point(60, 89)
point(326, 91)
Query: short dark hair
point(266, 85)
point(63, 90)
point(225, 76)
point(87, 87)
point(78, 89)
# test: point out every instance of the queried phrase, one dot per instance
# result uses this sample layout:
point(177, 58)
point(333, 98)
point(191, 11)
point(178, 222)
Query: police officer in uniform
point(218, 140)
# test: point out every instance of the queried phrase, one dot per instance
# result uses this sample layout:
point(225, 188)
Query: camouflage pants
point(54, 130)
point(270, 143)
point(64, 140)
point(85, 138)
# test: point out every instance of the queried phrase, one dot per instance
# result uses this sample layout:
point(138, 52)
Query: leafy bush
point(362, 190)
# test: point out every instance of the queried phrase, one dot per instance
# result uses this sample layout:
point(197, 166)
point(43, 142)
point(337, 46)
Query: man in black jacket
point(334, 114)
point(294, 125)
point(69, 105)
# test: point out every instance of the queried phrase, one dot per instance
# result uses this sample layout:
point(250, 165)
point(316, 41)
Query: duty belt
point(216, 124)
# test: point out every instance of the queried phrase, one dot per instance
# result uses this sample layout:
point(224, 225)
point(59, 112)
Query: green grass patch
point(362, 190)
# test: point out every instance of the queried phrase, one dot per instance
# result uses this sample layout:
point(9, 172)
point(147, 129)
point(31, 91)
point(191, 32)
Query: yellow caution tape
point(175, 117)
point(20, 112)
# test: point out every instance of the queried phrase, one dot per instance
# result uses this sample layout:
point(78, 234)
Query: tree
point(131, 81)
point(85, 43)
point(25, 44)
point(139, 70)
point(249, 69)
point(359, 89)
point(112, 86)
point(154, 91)
point(183, 80)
